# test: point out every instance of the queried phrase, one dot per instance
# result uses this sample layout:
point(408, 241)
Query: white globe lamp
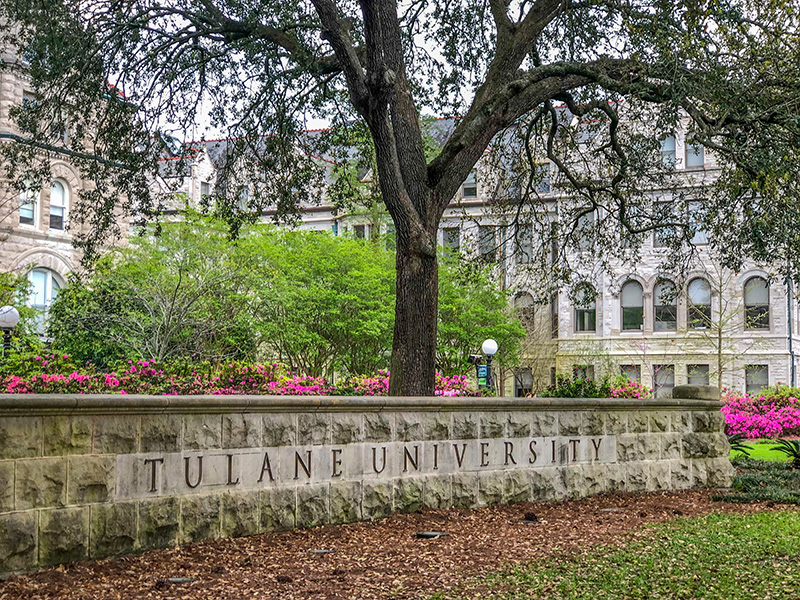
point(9, 317)
point(489, 347)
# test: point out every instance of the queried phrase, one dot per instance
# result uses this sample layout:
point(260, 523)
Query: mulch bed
point(370, 561)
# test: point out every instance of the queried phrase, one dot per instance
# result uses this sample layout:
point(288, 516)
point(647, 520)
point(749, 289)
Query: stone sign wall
point(93, 476)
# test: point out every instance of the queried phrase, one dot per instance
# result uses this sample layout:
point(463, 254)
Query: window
point(391, 237)
point(554, 316)
point(205, 188)
point(58, 204)
point(756, 378)
point(668, 151)
point(663, 380)
point(360, 231)
point(469, 188)
point(525, 309)
point(451, 237)
point(487, 243)
point(585, 231)
point(665, 307)
point(542, 178)
point(756, 303)
point(696, 213)
point(44, 287)
point(695, 156)
point(632, 306)
point(585, 308)
point(523, 382)
point(584, 372)
point(632, 372)
point(524, 244)
point(698, 314)
point(27, 207)
point(697, 374)
point(663, 235)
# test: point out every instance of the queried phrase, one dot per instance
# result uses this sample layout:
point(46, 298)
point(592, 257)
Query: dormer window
point(469, 189)
point(58, 204)
point(668, 151)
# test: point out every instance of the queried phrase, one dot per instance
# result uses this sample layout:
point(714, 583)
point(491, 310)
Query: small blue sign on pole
point(483, 371)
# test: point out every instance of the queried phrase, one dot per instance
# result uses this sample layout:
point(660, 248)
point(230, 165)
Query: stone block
point(377, 499)
point(638, 422)
point(547, 484)
point(41, 483)
point(569, 422)
point(345, 502)
point(592, 423)
point(435, 426)
point(346, 429)
point(699, 473)
point(616, 422)
point(161, 433)
point(584, 480)
point(278, 430)
point(660, 477)
point(465, 426)
point(116, 434)
point(696, 392)
point(408, 494)
point(719, 473)
point(681, 422)
point(670, 446)
point(278, 509)
point(239, 514)
point(63, 535)
point(200, 516)
point(491, 488)
point(241, 431)
point(516, 487)
point(493, 425)
point(18, 537)
point(437, 491)
point(465, 490)
point(6, 486)
point(708, 421)
point(202, 431)
point(20, 437)
point(313, 429)
point(659, 421)
point(518, 424)
point(409, 427)
point(638, 475)
point(544, 424)
point(615, 477)
point(632, 447)
point(112, 529)
point(378, 427)
point(680, 474)
point(91, 479)
point(67, 435)
point(313, 507)
point(159, 522)
point(705, 445)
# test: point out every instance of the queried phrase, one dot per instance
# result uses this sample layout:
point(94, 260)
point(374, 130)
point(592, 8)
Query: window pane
point(542, 178)
point(662, 235)
point(663, 380)
point(632, 294)
point(665, 306)
point(585, 231)
point(525, 242)
point(360, 231)
point(57, 194)
point(632, 372)
point(699, 292)
point(585, 320)
point(756, 291)
point(26, 214)
point(470, 187)
point(487, 243)
point(756, 378)
point(697, 374)
point(668, 151)
point(632, 306)
point(699, 316)
point(452, 238)
point(695, 155)
point(56, 217)
point(695, 217)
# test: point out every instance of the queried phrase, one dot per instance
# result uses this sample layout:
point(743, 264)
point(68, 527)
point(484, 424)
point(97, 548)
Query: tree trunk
point(413, 364)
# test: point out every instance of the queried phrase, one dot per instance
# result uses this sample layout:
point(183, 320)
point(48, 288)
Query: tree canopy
point(626, 71)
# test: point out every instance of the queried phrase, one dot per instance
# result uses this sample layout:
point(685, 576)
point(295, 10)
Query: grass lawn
point(732, 557)
point(761, 450)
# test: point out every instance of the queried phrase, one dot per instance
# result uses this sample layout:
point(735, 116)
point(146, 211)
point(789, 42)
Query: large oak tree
point(548, 69)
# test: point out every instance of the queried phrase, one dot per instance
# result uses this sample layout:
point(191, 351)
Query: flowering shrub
point(146, 377)
point(775, 412)
point(578, 387)
point(625, 388)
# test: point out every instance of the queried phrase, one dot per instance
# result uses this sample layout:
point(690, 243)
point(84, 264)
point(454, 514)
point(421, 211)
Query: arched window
point(698, 314)
point(756, 303)
point(59, 201)
point(585, 308)
point(44, 287)
point(632, 302)
point(665, 306)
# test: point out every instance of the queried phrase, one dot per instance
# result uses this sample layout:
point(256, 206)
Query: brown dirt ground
point(370, 561)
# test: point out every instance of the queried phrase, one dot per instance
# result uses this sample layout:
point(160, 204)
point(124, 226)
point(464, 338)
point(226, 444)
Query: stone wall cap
point(696, 392)
point(33, 404)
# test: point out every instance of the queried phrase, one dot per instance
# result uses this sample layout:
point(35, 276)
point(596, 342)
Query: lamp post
point(489, 348)
point(9, 317)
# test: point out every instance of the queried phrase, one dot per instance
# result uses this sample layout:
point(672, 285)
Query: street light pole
point(489, 348)
point(9, 317)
